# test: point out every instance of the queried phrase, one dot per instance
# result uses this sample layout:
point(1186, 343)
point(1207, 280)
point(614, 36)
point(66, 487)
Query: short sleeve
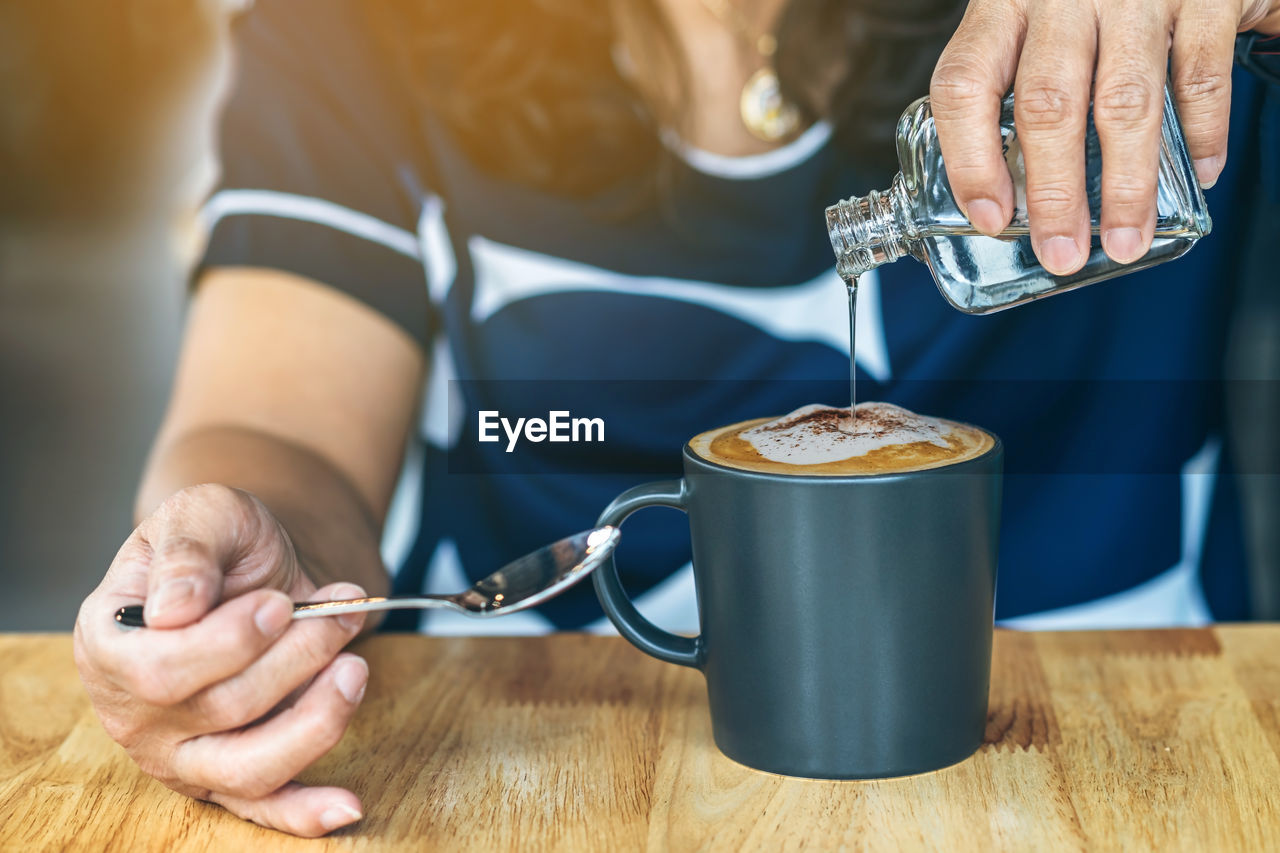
point(317, 153)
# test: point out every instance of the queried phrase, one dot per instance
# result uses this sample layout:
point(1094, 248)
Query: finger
point(254, 762)
point(1261, 15)
point(1128, 104)
point(194, 539)
point(125, 583)
point(1051, 99)
point(297, 809)
point(166, 667)
point(306, 648)
point(968, 84)
point(1203, 41)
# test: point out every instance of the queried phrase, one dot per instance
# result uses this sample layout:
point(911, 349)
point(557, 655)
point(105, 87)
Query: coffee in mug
point(815, 441)
point(845, 584)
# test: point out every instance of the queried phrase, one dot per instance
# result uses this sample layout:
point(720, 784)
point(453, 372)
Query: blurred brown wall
point(106, 116)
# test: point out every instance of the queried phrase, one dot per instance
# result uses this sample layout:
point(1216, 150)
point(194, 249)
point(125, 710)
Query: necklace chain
point(765, 113)
point(728, 14)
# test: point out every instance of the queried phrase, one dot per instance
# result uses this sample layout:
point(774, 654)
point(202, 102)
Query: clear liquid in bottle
point(977, 274)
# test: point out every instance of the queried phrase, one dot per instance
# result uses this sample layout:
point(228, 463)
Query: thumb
point(193, 541)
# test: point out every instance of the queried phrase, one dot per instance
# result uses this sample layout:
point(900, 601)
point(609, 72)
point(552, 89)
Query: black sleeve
point(317, 158)
point(1260, 54)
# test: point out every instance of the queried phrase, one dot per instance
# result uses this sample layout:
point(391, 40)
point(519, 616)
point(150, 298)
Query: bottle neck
point(871, 231)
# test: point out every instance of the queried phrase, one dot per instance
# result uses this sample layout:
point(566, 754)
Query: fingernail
point(341, 592)
point(1207, 171)
point(352, 678)
point(1059, 255)
point(273, 616)
point(171, 595)
point(1123, 244)
point(337, 816)
point(985, 215)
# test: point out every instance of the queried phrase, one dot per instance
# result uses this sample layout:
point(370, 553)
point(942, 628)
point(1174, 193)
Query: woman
point(602, 221)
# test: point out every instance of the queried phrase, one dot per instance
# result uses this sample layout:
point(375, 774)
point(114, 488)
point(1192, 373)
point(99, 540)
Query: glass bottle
point(977, 274)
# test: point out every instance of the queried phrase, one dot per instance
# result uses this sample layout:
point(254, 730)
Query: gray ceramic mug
point(845, 621)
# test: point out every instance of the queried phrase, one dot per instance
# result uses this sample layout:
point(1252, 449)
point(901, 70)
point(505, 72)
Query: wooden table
point(1113, 740)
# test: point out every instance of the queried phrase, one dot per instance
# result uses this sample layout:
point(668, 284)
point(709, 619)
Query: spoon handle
point(131, 616)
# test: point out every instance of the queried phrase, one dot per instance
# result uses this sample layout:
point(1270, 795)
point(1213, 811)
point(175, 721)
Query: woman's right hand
point(223, 696)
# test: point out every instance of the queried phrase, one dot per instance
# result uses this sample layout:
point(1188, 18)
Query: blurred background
point(106, 132)
point(107, 119)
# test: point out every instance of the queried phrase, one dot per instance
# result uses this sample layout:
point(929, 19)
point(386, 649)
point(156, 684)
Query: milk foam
point(811, 434)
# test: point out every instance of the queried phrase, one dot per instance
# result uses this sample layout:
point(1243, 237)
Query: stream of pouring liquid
point(847, 424)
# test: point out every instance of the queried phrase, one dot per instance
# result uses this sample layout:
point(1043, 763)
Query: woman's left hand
point(1057, 54)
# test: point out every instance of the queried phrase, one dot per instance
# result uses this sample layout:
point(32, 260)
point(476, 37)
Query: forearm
point(334, 533)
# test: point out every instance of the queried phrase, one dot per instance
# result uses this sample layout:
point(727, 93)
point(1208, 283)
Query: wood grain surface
point(1136, 740)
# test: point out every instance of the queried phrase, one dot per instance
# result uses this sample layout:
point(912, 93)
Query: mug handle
point(643, 634)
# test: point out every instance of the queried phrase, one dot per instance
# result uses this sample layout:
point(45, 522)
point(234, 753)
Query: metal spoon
point(522, 583)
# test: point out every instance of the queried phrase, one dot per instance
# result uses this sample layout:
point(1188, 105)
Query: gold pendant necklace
point(766, 114)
